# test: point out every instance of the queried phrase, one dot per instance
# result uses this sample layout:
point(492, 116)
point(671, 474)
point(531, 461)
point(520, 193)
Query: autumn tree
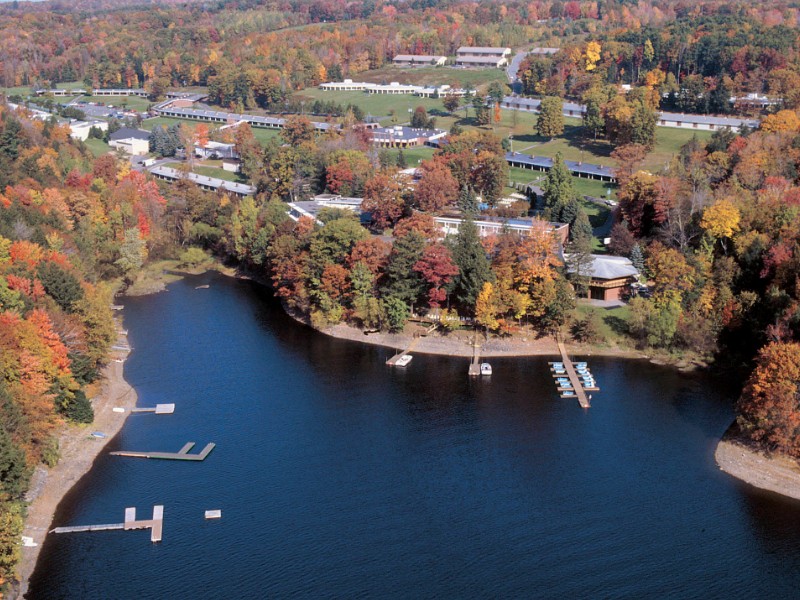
point(436, 187)
point(383, 200)
point(767, 409)
point(437, 268)
point(297, 129)
point(473, 265)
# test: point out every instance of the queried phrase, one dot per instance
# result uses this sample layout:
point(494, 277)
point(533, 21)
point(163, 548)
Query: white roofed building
point(419, 60)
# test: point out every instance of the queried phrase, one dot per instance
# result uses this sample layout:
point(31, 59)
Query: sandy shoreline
point(777, 474)
point(78, 452)
point(453, 345)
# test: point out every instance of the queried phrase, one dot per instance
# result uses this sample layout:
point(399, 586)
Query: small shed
point(611, 275)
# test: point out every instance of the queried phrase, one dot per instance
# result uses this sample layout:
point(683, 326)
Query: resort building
point(405, 137)
point(394, 88)
point(482, 56)
point(211, 184)
point(59, 93)
point(311, 208)
point(611, 277)
point(120, 92)
point(348, 85)
point(544, 164)
point(449, 224)
point(134, 142)
point(665, 119)
point(419, 60)
point(79, 130)
point(216, 150)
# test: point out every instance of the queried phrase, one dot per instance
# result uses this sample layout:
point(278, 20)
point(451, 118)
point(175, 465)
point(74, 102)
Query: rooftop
point(128, 133)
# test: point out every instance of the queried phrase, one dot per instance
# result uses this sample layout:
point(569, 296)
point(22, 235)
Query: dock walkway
point(182, 454)
point(155, 525)
point(580, 392)
point(393, 361)
point(475, 365)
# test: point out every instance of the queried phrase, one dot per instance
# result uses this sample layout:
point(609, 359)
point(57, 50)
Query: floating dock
point(577, 389)
point(160, 409)
point(182, 454)
point(155, 525)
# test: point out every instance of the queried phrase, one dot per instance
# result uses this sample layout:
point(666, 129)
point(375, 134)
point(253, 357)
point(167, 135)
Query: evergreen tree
point(468, 201)
point(402, 281)
point(578, 255)
point(473, 264)
point(401, 160)
point(580, 225)
point(637, 258)
point(559, 195)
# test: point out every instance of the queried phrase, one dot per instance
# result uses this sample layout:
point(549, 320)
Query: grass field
point(611, 322)
point(98, 147)
point(131, 102)
point(456, 77)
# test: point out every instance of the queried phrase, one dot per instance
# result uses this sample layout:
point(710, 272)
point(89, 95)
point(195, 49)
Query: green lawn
point(131, 102)
point(377, 105)
point(149, 124)
point(98, 147)
point(611, 322)
point(262, 135)
point(477, 78)
point(414, 155)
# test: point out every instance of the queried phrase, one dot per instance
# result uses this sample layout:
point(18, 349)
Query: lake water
point(338, 477)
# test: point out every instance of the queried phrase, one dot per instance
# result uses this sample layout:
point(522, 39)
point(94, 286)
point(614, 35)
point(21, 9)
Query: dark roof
point(126, 133)
point(545, 163)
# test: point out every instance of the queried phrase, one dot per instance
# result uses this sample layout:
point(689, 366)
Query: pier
point(155, 525)
point(393, 361)
point(475, 365)
point(182, 454)
point(159, 409)
point(577, 385)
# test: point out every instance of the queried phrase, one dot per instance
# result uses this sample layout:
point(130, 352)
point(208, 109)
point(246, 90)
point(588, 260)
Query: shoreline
point(778, 474)
point(78, 451)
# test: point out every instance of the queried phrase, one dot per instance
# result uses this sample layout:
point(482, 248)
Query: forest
point(716, 231)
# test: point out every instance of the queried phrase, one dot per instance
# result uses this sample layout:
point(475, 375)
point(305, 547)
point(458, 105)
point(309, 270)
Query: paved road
point(513, 67)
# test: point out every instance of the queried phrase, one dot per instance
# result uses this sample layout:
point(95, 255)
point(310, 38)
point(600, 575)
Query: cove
point(339, 477)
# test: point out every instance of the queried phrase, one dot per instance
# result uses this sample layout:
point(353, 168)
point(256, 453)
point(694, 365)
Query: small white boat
point(486, 369)
point(202, 287)
point(403, 360)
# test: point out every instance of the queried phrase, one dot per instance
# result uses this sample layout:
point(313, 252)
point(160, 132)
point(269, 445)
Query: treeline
point(68, 224)
point(694, 64)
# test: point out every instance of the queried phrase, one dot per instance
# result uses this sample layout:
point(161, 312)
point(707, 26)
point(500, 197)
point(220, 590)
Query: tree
point(297, 129)
point(420, 118)
point(437, 269)
point(497, 91)
point(643, 125)
point(637, 258)
point(551, 117)
point(383, 199)
point(60, 284)
point(593, 121)
point(451, 103)
point(721, 221)
point(486, 308)
point(396, 311)
point(767, 410)
point(474, 268)
point(578, 254)
point(436, 187)
point(401, 280)
point(780, 122)
point(559, 194)
point(132, 253)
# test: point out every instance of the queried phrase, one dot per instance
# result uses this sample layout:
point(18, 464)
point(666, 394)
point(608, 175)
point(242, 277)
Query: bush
point(587, 329)
point(193, 257)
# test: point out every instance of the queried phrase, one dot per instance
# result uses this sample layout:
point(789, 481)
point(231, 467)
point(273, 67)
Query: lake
point(339, 477)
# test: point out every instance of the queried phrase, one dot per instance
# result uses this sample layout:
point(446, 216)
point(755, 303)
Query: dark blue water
point(338, 477)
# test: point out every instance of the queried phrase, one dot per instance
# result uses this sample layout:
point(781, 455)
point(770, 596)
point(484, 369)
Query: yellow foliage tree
point(781, 121)
point(485, 307)
point(592, 55)
point(721, 220)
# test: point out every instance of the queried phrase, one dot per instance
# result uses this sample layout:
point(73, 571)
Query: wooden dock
point(578, 389)
point(160, 409)
point(475, 365)
point(182, 454)
point(155, 525)
point(393, 361)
